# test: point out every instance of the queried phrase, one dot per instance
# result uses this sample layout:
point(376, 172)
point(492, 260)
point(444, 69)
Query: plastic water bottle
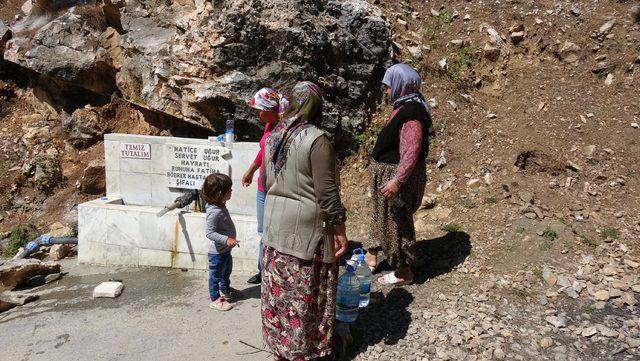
point(228, 134)
point(348, 294)
point(363, 272)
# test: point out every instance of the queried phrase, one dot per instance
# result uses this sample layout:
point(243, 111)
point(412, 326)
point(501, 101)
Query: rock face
point(85, 126)
point(16, 272)
point(205, 66)
point(202, 61)
point(67, 48)
point(93, 178)
point(5, 35)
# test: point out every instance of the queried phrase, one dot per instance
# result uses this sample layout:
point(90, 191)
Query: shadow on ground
point(436, 256)
point(386, 318)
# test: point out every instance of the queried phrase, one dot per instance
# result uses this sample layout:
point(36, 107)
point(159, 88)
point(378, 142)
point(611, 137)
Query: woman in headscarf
point(398, 175)
point(269, 105)
point(304, 232)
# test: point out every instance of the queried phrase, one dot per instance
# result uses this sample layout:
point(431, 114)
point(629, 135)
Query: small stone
point(634, 125)
point(491, 116)
point(629, 299)
point(589, 150)
point(433, 103)
point(474, 183)
point(631, 263)
point(415, 51)
point(491, 52)
point(466, 17)
point(564, 281)
point(442, 160)
point(526, 197)
point(614, 293)
point(575, 11)
point(443, 64)
point(549, 277)
point(52, 277)
point(602, 295)
point(557, 322)
point(571, 292)
point(429, 201)
point(517, 37)
point(609, 271)
point(17, 298)
point(453, 105)
point(108, 290)
point(498, 354)
point(572, 166)
point(609, 80)
point(59, 251)
point(541, 106)
point(543, 300)
point(488, 179)
point(546, 342)
point(589, 331)
point(569, 52)
point(27, 7)
point(633, 342)
point(606, 27)
point(607, 332)
point(600, 305)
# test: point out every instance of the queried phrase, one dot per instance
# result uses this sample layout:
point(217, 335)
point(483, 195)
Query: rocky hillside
point(530, 224)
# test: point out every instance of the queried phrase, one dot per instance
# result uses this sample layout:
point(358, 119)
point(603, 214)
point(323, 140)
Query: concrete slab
point(108, 290)
point(162, 315)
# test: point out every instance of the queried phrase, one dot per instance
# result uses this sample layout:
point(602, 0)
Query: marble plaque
point(189, 164)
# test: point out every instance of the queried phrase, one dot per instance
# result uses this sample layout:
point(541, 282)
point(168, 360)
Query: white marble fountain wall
point(123, 228)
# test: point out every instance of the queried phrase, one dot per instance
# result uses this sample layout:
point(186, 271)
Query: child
point(221, 233)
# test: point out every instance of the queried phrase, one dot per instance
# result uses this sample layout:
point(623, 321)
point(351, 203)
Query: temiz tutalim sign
point(135, 150)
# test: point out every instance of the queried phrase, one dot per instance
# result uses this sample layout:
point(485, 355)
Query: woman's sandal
point(391, 279)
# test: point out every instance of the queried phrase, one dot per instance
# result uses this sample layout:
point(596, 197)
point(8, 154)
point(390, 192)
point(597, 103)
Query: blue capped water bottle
point(228, 134)
point(363, 272)
point(348, 294)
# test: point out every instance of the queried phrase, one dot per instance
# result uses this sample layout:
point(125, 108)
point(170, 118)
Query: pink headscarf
point(268, 99)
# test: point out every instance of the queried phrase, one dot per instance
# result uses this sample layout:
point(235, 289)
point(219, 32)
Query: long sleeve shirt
point(218, 228)
point(258, 160)
point(410, 147)
point(325, 178)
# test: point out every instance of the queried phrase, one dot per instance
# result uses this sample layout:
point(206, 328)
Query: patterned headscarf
point(305, 110)
point(268, 99)
point(405, 84)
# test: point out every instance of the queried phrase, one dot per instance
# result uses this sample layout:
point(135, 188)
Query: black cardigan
point(387, 148)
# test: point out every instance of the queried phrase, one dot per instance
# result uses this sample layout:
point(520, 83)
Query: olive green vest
point(293, 220)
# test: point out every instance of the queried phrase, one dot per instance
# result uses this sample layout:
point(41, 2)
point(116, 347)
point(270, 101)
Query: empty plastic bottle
point(348, 294)
point(363, 272)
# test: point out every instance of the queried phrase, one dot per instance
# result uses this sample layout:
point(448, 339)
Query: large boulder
point(203, 66)
point(17, 272)
point(69, 47)
point(93, 178)
point(5, 35)
point(201, 61)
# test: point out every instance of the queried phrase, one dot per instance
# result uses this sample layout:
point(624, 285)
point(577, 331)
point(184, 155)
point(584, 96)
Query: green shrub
point(549, 234)
point(451, 228)
point(610, 233)
point(19, 236)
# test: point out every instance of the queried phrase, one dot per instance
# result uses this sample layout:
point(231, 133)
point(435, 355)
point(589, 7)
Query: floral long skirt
point(392, 228)
point(298, 305)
